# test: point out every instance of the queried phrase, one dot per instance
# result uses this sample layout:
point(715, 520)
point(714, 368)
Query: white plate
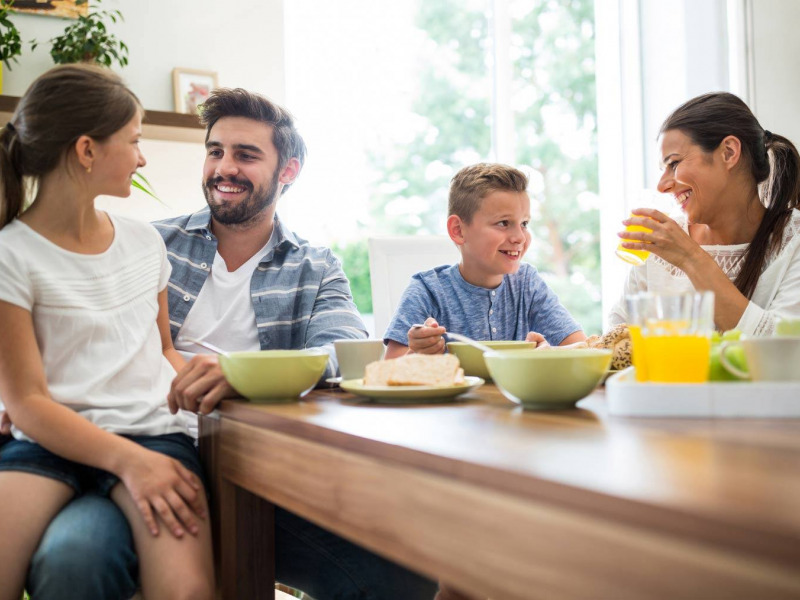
point(410, 394)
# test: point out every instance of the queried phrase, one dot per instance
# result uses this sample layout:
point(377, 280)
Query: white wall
point(680, 61)
point(242, 40)
point(775, 57)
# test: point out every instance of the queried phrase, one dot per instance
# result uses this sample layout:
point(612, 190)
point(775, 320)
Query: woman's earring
point(88, 169)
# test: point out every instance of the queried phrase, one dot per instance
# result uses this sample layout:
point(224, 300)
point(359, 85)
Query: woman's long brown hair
point(773, 161)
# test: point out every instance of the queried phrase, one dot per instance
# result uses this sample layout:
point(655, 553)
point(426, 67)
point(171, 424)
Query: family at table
point(103, 491)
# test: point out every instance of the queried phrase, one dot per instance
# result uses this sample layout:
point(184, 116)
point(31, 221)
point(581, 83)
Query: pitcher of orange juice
point(674, 336)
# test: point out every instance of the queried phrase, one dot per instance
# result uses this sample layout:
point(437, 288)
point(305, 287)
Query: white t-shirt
point(223, 313)
point(94, 318)
point(777, 292)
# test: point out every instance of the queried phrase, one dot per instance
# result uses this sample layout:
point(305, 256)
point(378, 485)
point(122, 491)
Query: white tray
point(628, 398)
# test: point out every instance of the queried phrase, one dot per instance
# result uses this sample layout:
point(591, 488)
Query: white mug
point(355, 355)
point(768, 358)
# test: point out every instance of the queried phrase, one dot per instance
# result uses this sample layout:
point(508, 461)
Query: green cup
point(274, 375)
point(471, 358)
point(548, 379)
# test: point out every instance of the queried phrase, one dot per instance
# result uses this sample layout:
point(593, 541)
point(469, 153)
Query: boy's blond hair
point(472, 184)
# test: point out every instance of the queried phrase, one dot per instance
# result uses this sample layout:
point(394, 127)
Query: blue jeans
point(87, 553)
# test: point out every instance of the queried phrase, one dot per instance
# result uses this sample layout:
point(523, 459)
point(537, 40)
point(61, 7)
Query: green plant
point(10, 42)
point(355, 262)
point(140, 182)
point(88, 40)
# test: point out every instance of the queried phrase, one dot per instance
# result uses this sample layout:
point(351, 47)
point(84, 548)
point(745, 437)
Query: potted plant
point(88, 40)
point(10, 42)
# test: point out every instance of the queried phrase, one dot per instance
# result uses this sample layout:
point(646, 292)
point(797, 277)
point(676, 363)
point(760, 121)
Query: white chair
point(392, 262)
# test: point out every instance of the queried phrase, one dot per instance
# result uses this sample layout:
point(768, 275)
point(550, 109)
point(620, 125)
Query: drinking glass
point(637, 307)
point(673, 332)
point(634, 257)
point(646, 198)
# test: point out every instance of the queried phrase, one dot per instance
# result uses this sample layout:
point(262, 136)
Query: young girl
point(86, 358)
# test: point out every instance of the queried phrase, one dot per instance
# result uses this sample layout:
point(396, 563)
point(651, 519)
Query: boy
point(489, 294)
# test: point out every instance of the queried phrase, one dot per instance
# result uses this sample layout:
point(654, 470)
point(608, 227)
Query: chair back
point(392, 262)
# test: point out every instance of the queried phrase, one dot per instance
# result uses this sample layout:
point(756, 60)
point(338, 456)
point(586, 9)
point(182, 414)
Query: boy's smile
point(496, 239)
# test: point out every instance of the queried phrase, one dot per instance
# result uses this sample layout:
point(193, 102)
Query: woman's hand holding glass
point(662, 236)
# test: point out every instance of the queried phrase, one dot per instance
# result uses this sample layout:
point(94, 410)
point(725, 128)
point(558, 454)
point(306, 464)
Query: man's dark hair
point(237, 102)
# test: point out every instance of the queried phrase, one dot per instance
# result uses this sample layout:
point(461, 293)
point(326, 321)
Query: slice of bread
point(377, 373)
point(439, 370)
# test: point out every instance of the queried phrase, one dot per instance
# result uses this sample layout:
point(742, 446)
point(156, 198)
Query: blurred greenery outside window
point(537, 112)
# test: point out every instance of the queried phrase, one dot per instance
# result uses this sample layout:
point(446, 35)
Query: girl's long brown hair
point(60, 106)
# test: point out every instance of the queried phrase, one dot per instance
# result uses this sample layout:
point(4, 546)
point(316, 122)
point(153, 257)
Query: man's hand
point(538, 338)
point(427, 339)
point(199, 386)
point(5, 424)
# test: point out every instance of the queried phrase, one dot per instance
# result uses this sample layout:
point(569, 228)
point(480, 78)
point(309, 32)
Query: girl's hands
point(5, 423)
point(667, 239)
point(427, 339)
point(160, 485)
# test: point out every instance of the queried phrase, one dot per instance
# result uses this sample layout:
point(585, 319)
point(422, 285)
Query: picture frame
point(68, 9)
point(191, 88)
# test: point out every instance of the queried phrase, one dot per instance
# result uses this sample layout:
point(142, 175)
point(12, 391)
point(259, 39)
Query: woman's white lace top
point(777, 293)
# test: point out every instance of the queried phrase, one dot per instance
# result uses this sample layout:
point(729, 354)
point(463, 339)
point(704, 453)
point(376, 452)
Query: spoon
point(205, 345)
point(470, 341)
point(460, 338)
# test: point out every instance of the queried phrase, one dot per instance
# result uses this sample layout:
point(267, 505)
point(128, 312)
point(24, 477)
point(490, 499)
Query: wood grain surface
point(516, 504)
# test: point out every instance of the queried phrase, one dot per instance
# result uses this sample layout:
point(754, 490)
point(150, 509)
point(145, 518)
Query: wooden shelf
point(157, 124)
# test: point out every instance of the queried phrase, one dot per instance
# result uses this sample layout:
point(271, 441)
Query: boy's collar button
point(493, 292)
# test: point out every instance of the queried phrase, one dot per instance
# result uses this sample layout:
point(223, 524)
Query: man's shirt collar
point(201, 222)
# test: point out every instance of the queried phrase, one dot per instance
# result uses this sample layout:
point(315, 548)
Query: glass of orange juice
point(674, 334)
point(637, 305)
point(634, 257)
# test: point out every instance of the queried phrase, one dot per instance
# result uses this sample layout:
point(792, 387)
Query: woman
point(737, 186)
point(86, 357)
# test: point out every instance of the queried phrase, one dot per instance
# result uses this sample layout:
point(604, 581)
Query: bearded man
point(241, 281)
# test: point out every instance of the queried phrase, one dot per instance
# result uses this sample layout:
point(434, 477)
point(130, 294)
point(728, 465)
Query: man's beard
point(231, 213)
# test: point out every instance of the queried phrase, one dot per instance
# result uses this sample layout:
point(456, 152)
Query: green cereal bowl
point(548, 379)
point(274, 375)
point(471, 358)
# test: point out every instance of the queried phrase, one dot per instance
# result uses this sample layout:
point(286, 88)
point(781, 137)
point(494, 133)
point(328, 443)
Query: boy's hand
point(161, 486)
point(428, 338)
point(538, 338)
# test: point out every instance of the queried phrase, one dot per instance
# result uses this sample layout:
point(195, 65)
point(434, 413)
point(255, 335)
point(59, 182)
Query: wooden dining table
point(512, 504)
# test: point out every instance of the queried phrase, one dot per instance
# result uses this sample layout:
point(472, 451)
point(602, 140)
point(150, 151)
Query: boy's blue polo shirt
point(520, 304)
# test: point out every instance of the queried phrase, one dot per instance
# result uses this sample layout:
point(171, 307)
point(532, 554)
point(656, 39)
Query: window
point(394, 97)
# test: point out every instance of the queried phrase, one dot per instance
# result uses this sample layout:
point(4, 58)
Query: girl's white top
point(777, 293)
point(94, 318)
